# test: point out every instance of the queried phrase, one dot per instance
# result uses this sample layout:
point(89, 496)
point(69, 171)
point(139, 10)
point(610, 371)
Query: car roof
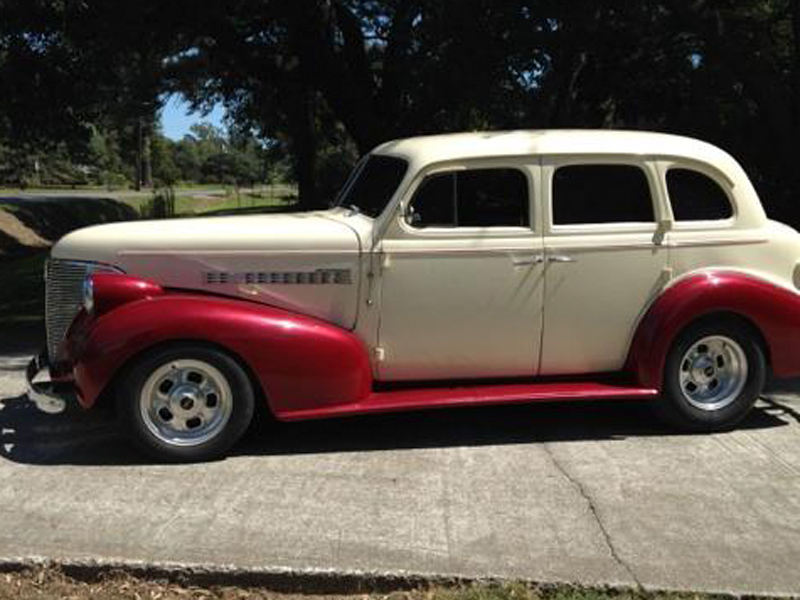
point(487, 144)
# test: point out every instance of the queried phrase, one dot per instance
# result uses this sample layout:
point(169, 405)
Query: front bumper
point(49, 396)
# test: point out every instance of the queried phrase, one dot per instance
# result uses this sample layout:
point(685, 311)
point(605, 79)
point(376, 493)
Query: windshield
point(373, 183)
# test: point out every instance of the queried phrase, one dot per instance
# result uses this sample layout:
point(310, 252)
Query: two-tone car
point(454, 270)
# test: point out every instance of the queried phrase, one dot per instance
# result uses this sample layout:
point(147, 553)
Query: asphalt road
point(589, 493)
point(46, 195)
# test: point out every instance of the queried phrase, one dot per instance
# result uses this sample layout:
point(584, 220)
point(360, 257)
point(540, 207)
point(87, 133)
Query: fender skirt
point(300, 362)
point(773, 310)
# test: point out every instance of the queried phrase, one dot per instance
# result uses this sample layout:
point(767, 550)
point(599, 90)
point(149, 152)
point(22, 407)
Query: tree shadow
point(21, 339)
point(90, 438)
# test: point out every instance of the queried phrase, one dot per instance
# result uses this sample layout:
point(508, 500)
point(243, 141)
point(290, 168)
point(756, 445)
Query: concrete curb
point(277, 579)
point(311, 581)
point(284, 579)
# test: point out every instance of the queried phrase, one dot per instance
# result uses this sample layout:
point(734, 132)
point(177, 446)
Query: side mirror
point(412, 217)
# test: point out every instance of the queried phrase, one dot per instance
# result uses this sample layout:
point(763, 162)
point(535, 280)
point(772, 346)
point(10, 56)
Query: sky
point(176, 119)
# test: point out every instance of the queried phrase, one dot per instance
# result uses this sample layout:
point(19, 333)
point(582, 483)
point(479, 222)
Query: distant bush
point(114, 181)
point(161, 205)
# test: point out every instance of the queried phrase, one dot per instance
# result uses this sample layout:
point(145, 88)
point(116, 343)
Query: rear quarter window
point(696, 197)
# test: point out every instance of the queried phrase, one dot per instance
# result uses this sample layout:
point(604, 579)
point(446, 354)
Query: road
point(587, 493)
point(47, 195)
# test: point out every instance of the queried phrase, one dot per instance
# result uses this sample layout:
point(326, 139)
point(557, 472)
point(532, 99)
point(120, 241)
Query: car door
point(461, 282)
point(605, 259)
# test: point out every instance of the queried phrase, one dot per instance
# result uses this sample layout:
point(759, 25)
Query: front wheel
point(714, 373)
point(185, 403)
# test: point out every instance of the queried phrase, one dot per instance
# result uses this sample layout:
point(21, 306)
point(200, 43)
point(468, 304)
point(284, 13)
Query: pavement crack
point(579, 487)
point(446, 516)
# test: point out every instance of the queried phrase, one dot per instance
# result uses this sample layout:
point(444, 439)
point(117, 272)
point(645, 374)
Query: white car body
point(456, 270)
point(460, 303)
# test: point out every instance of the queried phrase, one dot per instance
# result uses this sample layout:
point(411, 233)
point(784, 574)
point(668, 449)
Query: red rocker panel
point(477, 395)
point(775, 311)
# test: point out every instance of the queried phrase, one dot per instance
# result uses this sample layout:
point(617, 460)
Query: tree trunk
point(343, 77)
point(793, 196)
point(300, 110)
point(147, 162)
point(305, 165)
point(139, 134)
point(796, 76)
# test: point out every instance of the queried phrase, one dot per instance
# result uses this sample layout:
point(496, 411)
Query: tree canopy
point(325, 80)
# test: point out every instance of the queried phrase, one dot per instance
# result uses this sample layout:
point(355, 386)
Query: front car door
point(606, 259)
point(461, 283)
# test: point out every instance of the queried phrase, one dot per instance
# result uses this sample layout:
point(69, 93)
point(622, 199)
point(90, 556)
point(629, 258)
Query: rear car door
point(605, 259)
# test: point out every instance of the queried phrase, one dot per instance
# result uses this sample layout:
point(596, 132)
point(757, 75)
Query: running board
point(398, 400)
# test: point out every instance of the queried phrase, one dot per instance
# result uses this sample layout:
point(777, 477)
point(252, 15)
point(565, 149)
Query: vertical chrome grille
point(63, 297)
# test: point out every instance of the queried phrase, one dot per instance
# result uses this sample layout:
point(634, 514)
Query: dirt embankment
point(30, 224)
point(13, 232)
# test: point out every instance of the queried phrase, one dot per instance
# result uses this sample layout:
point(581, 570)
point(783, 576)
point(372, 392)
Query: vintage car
point(453, 270)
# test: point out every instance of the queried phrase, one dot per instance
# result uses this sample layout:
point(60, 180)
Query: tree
point(165, 171)
point(312, 77)
point(74, 64)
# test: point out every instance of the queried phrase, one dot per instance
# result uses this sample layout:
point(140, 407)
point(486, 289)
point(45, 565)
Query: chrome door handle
point(560, 258)
point(528, 260)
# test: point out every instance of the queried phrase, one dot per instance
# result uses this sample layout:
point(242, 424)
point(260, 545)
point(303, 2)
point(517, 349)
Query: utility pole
point(139, 152)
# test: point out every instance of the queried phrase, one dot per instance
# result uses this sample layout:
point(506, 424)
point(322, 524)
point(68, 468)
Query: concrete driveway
point(589, 493)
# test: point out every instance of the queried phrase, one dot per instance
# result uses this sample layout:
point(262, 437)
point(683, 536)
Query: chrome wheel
point(186, 402)
point(713, 372)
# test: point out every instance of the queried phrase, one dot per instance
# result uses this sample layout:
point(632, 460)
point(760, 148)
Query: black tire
point(207, 392)
point(676, 406)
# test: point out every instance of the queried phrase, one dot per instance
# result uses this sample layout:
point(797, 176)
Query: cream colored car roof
point(458, 146)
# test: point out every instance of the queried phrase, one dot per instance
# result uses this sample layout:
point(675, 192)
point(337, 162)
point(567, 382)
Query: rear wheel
point(185, 403)
point(714, 373)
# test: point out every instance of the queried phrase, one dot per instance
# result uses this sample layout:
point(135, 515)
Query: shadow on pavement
point(21, 340)
point(78, 437)
point(30, 436)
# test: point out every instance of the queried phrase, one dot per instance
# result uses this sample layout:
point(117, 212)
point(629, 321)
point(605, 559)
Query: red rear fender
point(773, 310)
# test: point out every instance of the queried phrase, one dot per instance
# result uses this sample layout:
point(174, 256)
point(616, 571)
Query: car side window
point(471, 198)
point(434, 202)
point(601, 193)
point(696, 197)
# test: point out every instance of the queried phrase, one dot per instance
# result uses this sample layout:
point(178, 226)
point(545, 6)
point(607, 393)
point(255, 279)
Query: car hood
point(306, 262)
point(296, 232)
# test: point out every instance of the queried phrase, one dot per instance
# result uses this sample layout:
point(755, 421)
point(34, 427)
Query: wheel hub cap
point(185, 398)
point(703, 369)
point(713, 372)
point(186, 402)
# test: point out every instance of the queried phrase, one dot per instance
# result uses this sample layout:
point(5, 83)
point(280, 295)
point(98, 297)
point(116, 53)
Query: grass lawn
point(50, 583)
point(189, 199)
point(274, 196)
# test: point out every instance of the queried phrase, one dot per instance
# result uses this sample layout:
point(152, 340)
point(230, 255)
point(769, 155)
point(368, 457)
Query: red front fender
point(301, 362)
point(773, 310)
